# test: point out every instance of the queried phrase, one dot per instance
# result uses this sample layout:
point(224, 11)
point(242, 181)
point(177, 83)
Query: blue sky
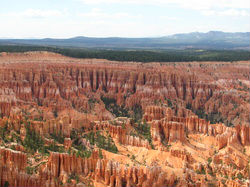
point(123, 18)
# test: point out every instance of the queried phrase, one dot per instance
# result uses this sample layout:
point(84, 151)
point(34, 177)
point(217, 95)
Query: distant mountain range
point(196, 40)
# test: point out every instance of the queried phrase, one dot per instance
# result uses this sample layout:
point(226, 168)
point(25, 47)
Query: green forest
point(138, 55)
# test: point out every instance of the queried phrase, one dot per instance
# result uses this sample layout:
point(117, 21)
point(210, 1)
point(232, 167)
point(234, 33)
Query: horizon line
point(39, 38)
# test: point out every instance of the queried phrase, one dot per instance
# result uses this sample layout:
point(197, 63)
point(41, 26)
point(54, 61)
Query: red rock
point(56, 84)
point(153, 113)
point(59, 90)
point(170, 130)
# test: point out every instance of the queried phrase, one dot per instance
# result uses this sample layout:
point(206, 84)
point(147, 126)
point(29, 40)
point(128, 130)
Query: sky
point(120, 18)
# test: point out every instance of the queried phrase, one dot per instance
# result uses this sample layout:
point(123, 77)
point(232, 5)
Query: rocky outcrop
point(11, 158)
point(119, 131)
point(232, 183)
point(184, 155)
point(62, 125)
point(109, 172)
point(153, 113)
point(172, 128)
point(12, 168)
point(243, 132)
point(59, 166)
point(117, 175)
point(169, 131)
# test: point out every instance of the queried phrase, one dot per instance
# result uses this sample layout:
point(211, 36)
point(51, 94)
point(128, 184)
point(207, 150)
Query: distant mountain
point(209, 40)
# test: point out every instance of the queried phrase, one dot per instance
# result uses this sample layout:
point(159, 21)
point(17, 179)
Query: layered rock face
point(153, 113)
point(60, 166)
point(109, 172)
point(62, 125)
point(172, 128)
point(52, 82)
point(167, 130)
point(12, 165)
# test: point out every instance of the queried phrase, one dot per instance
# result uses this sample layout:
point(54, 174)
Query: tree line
point(138, 55)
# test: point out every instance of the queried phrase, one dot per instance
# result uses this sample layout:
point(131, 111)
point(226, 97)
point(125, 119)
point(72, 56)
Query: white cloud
point(35, 13)
point(170, 18)
point(234, 12)
point(191, 4)
point(228, 12)
point(100, 14)
point(41, 14)
point(208, 12)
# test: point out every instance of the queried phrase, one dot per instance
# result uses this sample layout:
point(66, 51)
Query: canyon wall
point(58, 85)
point(52, 94)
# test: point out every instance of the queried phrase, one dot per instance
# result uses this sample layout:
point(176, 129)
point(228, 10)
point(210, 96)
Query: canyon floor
point(68, 122)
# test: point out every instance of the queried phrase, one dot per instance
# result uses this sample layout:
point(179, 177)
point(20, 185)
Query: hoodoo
point(92, 122)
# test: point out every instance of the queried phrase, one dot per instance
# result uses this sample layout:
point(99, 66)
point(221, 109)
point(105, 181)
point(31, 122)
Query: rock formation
point(152, 113)
point(120, 133)
point(51, 82)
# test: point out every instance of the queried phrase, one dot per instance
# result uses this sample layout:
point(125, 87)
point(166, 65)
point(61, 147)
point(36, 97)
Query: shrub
point(40, 118)
point(30, 170)
point(111, 106)
point(55, 148)
point(58, 137)
point(170, 103)
point(133, 157)
point(100, 154)
point(6, 184)
point(33, 141)
point(55, 113)
point(137, 113)
point(92, 102)
point(144, 130)
point(188, 106)
point(209, 160)
point(73, 134)
point(211, 173)
point(240, 176)
point(101, 141)
point(73, 176)
point(202, 170)
point(3, 132)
